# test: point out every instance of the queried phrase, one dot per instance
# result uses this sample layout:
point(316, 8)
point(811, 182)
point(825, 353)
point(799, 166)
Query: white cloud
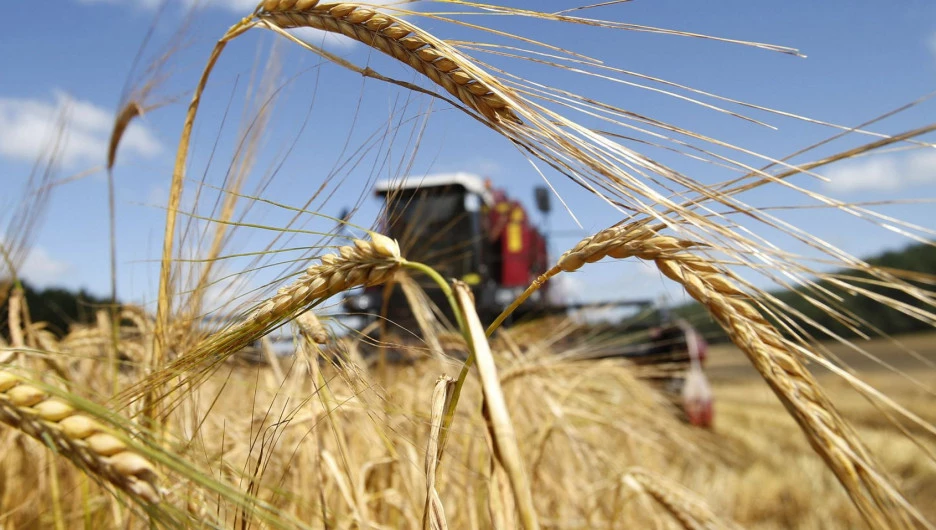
point(41, 269)
point(29, 127)
point(566, 288)
point(921, 167)
point(884, 173)
point(873, 174)
point(232, 5)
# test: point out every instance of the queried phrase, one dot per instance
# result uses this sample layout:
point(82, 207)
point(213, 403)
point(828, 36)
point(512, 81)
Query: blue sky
point(863, 59)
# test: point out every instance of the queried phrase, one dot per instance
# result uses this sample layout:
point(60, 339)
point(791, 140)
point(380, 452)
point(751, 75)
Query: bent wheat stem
point(164, 300)
point(506, 451)
point(443, 285)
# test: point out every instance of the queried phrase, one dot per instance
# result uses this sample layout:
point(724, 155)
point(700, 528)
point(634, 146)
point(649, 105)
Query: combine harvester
point(468, 230)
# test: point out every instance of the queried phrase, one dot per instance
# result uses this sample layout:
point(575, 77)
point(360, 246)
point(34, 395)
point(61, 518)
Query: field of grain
point(788, 486)
point(153, 415)
point(346, 446)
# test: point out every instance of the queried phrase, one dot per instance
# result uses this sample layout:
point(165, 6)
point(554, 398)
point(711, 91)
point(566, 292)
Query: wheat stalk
point(774, 357)
point(84, 441)
point(502, 436)
point(429, 56)
point(434, 512)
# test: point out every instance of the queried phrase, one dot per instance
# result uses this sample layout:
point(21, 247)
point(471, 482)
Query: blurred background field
point(783, 477)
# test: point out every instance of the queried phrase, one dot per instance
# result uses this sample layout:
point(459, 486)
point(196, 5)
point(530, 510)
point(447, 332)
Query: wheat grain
point(312, 327)
point(84, 441)
point(427, 55)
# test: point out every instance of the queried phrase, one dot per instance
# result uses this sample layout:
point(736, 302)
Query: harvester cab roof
point(471, 184)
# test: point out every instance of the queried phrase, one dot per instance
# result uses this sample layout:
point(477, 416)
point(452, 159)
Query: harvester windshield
point(437, 222)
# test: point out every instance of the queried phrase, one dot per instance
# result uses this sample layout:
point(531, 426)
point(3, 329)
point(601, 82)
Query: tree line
point(58, 308)
point(870, 313)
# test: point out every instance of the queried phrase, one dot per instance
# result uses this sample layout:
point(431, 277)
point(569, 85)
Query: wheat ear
point(364, 263)
point(429, 56)
point(773, 356)
point(84, 441)
point(684, 505)
point(432, 57)
point(15, 324)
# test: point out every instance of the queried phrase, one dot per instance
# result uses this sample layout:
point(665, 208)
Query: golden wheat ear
point(431, 57)
point(365, 263)
point(84, 441)
point(776, 358)
point(683, 505)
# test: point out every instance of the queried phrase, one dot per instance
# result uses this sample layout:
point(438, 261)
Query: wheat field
point(155, 415)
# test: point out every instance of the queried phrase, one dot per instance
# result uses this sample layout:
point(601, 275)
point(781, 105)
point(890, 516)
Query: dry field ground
point(778, 465)
point(602, 450)
point(584, 425)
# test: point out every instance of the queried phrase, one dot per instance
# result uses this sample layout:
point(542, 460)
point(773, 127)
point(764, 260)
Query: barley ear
point(774, 357)
point(686, 507)
point(84, 441)
point(363, 264)
point(432, 57)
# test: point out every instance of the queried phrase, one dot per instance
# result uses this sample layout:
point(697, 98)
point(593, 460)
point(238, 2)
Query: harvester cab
point(465, 229)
